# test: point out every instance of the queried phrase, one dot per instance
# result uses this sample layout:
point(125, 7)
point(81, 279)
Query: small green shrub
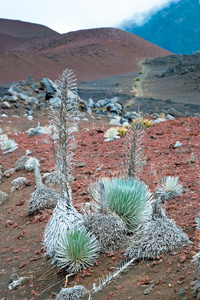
point(77, 250)
point(137, 79)
point(127, 105)
point(140, 72)
point(133, 95)
point(117, 84)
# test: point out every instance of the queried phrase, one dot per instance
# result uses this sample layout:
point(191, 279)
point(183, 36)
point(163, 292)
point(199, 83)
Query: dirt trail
point(139, 84)
point(145, 71)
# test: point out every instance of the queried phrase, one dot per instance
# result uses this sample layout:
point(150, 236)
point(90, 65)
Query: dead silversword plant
point(156, 235)
point(64, 215)
point(109, 229)
point(79, 292)
point(53, 178)
point(134, 158)
point(196, 260)
point(42, 197)
point(74, 293)
point(198, 222)
point(196, 284)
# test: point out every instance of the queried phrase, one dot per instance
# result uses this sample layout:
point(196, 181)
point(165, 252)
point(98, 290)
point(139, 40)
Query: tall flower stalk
point(134, 158)
point(65, 215)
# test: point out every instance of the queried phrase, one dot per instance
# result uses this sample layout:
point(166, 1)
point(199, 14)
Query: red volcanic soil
point(21, 252)
point(92, 54)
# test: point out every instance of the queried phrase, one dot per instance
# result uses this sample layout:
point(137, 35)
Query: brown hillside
point(93, 54)
point(22, 29)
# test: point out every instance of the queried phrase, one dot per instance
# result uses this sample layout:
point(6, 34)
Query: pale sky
point(70, 15)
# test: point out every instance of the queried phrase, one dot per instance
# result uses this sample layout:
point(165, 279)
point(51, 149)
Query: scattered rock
point(173, 112)
point(183, 258)
point(5, 105)
point(81, 165)
point(15, 284)
point(9, 172)
point(158, 120)
point(3, 197)
point(149, 290)
point(17, 183)
point(49, 87)
point(177, 145)
point(170, 117)
point(181, 293)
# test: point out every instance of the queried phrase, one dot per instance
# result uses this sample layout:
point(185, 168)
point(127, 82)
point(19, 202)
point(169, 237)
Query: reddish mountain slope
point(22, 29)
point(94, 53)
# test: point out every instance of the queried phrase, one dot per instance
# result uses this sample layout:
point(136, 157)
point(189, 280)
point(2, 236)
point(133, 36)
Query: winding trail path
point(145, 71)
point(139, 88)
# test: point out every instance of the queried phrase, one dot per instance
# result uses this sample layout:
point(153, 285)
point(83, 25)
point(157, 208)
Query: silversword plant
point(64, 215)
point(169, 188)
point(77, 249)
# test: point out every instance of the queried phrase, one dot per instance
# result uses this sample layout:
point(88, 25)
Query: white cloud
point(69, 15)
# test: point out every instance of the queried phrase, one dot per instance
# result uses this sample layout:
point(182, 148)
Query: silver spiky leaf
point(77, 249)
point(196, 287)
point(64, 215)
point(29, 165)
point(169, 188)
point(129, 198)
point(134, 158)
point(74, 293)
point(20, 164)
point(156, 235)
point(104, 281)
point(198, 222)
point(42, 197)
point(64, 218)
point(109, 229)
point(51, 178)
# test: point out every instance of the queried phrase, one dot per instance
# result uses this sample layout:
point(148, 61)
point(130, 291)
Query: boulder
point(14, 99)
point(13, 90)
point(115, 99)
point(29, 99)
point(49, 87)
point(104, 102)
point(5, 105)
point(174, 112)
point(170, 117)
point(89, 110)
point(90, 103)
point(55, 102)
